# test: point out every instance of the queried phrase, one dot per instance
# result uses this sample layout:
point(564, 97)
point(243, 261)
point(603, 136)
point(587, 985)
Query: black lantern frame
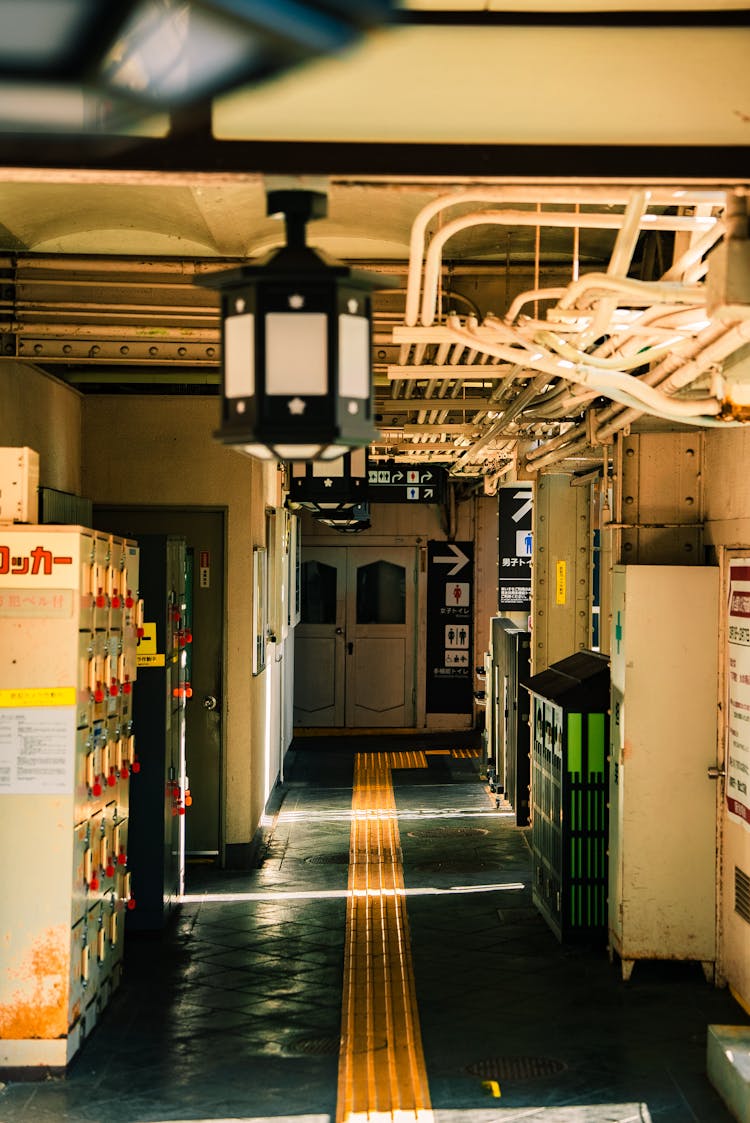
point(352, 521)
point(329, 488)
point(159, 55)
point(296, 347)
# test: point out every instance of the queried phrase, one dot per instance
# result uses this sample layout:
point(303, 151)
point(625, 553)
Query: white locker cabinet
point(67, 650)
point(664, 695)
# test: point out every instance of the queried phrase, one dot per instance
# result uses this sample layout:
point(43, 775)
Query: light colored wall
point(159, 451)
point(39, 412)
point(727, 499)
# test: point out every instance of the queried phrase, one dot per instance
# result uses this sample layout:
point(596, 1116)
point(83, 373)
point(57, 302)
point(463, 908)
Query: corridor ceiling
point(535, 314)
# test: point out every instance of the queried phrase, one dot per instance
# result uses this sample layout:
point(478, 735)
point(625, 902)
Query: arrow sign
point(429, 492)
point(458, 559)
point(426, 476)
point(525, 506)
point(396, 477)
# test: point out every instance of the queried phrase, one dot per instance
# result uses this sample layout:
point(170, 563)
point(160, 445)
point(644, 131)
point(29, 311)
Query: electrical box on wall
point(19, 485)
point(662, 847)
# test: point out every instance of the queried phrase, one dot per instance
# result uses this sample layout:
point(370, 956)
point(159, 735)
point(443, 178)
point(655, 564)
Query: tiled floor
point(235, 1013)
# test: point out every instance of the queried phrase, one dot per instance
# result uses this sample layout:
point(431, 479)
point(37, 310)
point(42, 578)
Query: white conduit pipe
point(694, 253)
point(622, 388)
point(613, 418)
point(619, 263)
point(643, 293)
point(602, 195)
point(565, 219)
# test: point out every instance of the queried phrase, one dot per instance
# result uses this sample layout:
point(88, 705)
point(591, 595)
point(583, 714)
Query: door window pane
point(318, 593)
point(381, 593)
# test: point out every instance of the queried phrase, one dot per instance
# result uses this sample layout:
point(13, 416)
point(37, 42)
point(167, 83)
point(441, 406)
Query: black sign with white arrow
point(391, 482)
point(450, 611)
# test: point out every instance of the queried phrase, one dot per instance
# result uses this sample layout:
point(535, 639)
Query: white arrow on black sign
point(525, 507)
point(458, 559)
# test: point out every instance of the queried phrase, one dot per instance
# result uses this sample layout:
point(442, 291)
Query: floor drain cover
point(314, 1046)
point(516, 1068)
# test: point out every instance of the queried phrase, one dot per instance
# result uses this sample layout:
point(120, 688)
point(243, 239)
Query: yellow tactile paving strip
point(382, 1072)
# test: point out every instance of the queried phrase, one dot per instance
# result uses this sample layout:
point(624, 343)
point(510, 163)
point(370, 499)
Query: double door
point(355, 645)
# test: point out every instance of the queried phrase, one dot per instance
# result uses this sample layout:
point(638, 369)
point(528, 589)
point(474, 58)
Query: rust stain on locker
point(38, 1006)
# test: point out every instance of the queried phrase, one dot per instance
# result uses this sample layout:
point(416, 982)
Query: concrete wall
point(727, 500)
point(38, 412)
point(159, 450)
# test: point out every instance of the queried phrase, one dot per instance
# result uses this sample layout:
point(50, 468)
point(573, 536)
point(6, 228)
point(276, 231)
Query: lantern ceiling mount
point(296, 346)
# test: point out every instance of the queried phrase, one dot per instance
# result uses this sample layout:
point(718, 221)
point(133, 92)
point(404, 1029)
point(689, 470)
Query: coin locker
point(68, 612)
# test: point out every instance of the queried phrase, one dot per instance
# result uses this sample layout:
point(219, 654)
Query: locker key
point(96, 787)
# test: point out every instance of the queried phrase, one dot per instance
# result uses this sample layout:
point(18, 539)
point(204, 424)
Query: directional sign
point(456, 559)
point(392, 482)
point(515, 543)
point(450, 608)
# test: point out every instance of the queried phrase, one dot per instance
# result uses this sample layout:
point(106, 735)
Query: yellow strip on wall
point(38, 696)
point(381, 1064)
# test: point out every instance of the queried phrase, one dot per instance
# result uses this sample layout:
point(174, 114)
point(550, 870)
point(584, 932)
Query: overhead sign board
point(391, 482)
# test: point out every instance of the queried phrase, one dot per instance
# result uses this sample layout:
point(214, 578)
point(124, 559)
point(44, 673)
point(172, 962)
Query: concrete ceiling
point(100, 245)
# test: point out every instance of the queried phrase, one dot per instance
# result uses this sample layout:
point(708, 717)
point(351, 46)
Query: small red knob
point(127, 686)
point(188, 637)
point(116, 602)
point(124, 772)
point(180, 809)
point(188, 799)
point(110, 869)
point(140, 633)
point(131, 903)
point(94, 883)
point(111, 779)
point(99, 693)
point(122, 858)
point(101, 600)
point(188, 690)
point(129, 602)
point(135, 766)
point(114, 688)
point(97, 788)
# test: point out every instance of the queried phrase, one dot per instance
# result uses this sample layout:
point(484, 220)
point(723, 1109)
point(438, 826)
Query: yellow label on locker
point(149, 660)
point(147, 642)
point(561, 583)
point(39, 696)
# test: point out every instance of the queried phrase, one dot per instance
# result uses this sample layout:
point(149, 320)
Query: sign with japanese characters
point(450, 585)
point(515, 505)
point(393, 482)
point(737, 762)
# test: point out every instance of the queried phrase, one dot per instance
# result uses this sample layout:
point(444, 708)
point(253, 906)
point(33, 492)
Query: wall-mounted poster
point(737, 763)
point(260, 608)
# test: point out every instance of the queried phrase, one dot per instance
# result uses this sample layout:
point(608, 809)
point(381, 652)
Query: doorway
point(203, 531)
point(355, 645)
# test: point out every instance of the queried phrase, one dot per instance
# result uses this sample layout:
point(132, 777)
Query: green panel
point(575, 742)
point(596, 743)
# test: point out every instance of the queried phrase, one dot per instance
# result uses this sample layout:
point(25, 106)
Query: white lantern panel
point(296, 452)
point(239, 356)
point(354, 356)
point(296, 353)
point(359, 462)
point(333, 468)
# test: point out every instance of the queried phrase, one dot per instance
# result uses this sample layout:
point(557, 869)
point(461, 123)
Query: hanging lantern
point(297, 348)
point(138, 56)
point(353, 521)
point(329, 487)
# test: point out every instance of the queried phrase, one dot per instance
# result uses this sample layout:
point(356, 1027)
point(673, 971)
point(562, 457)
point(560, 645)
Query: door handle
point(339, 631)
point(350, 648)
point(209, 702)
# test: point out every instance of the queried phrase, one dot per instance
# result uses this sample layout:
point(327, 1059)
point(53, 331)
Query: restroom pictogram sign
point(450, 581)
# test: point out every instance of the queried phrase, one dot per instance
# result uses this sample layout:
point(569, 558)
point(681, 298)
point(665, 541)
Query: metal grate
point(742, 894)
point(314, 1046)
point(340, 859)
point(516, 1068)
